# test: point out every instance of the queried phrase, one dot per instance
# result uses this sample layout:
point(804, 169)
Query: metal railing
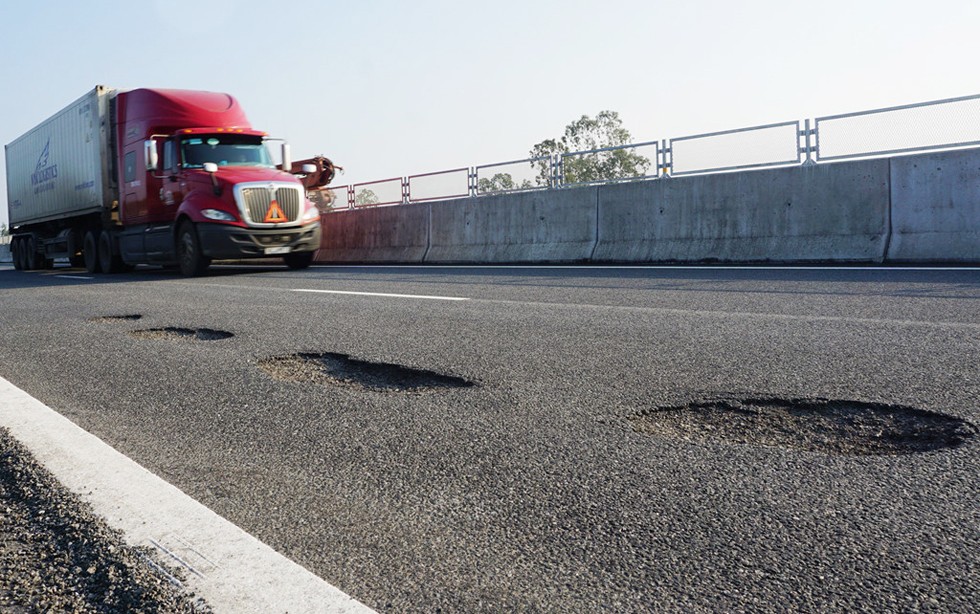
point(731, 150)
point(371, 193)
point(514, 176)
point(941, 124)
point(440, 185)
point(609, 164)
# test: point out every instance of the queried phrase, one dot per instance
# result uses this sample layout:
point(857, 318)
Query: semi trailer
point(155, 176)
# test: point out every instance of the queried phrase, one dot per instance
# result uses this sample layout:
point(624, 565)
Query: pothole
point(343, 371)
point(818, 425)
point(173, 332)
point(124, 318)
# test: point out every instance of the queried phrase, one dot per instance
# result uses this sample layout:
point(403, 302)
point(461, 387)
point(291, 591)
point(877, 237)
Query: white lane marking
point(421, 296)
point(73, 277)
point(244, 575)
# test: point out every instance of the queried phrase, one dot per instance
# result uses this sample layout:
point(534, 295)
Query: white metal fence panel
point(329, 198)
point(514, 176)
point(453, 183)
point(385, 192)
point(756, 147)
point(611, 164)
point(954, 122)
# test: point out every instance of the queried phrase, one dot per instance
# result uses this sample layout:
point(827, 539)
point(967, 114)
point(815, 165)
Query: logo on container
point(44, 174)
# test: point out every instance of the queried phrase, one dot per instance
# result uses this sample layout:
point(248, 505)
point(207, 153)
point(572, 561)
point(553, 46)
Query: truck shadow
point(64, 275)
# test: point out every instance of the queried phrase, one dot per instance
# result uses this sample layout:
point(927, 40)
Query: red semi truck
point(154, 176)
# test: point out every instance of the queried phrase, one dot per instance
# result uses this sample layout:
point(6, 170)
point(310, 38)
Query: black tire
point(17, 251)
point(77, 261)
point(190, 259)
point(298, 260)
point(22, 253)
point(108, 261)
point(31, 260)
point(90, 251)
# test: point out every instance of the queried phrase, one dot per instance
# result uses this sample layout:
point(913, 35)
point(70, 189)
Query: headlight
point(311, 214)
point(217, 214)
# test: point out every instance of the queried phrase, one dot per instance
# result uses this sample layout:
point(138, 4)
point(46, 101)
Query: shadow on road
point(64, 275)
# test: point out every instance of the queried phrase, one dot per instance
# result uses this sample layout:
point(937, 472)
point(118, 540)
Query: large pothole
point(183, 334)
point(819, 425)
point(343, 371)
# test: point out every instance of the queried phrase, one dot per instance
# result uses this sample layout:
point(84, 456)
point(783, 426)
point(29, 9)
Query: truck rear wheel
point(17, 251)
point(189, 257)
point(31, 260)
point(90, 251)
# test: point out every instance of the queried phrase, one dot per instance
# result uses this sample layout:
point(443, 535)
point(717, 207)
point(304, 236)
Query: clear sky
point(390, 88)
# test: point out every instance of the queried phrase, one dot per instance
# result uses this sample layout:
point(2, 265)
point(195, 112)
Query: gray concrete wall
point(5, 255)
point(545, 226)
point(805, 213)
point(918, 208)
point(376, 234)
point(936, 207)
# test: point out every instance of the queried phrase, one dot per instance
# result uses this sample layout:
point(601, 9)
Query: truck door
point(162, 206)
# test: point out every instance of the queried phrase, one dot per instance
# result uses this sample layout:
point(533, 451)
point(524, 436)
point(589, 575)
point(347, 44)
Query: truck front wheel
point(90, 251)
point(189, 257)
point(108, 261)
point(298, 260)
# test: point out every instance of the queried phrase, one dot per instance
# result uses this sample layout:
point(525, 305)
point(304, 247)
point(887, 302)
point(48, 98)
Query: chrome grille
point(255, 201)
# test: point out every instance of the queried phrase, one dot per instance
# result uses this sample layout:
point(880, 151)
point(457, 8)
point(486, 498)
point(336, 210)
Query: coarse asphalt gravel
point(56, 555)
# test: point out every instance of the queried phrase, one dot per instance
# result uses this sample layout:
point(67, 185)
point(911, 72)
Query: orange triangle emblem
point(275, 214)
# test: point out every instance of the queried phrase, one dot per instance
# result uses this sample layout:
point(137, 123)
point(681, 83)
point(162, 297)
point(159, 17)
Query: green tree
point(366, 197)
point(3, 230)
point(501, 182)
point(586, 134)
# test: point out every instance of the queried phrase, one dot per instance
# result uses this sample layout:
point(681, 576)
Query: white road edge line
point(73, 277)
point(421, 296)
point(238, 574)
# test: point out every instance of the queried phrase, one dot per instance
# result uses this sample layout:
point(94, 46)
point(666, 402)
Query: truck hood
point(230, 175)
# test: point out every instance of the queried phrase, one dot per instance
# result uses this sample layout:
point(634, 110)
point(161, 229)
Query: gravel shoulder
point(56, 555)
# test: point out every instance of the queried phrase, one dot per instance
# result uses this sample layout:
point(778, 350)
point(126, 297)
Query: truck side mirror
point(212, 169)
point(152, 157)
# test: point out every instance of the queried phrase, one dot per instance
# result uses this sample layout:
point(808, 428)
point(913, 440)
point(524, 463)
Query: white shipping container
point(61, 167)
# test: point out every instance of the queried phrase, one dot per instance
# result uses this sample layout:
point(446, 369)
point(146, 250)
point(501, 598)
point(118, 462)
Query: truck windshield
point(224, 150)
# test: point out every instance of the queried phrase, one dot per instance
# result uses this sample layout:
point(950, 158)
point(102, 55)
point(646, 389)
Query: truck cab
point(197, 183)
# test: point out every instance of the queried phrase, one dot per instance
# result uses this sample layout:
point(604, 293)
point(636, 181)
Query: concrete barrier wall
point(936, 207)
point(5, 255)
point(805, 213)
point(378, 234)
point(915, 208)
point(547, 226)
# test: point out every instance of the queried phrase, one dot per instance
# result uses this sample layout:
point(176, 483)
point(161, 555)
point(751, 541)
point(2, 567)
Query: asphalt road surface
point(495, 453)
